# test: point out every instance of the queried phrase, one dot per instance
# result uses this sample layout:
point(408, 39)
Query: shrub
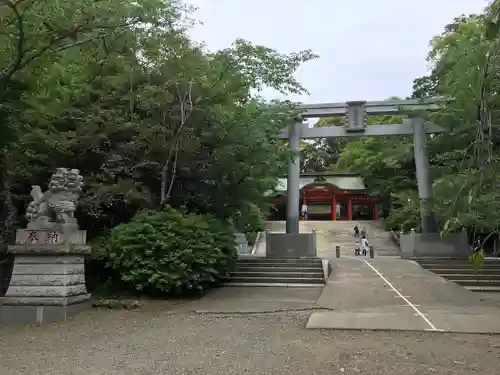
point(101, 279)
point(249, 220)
point(172, 252)
point(251, 238)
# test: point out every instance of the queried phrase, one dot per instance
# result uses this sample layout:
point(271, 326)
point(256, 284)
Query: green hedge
point(172, 252)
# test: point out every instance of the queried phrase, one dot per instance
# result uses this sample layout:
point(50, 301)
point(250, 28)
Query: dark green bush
point(100, 278)
point(249, 220)
point(172, 252)
point(251, 238)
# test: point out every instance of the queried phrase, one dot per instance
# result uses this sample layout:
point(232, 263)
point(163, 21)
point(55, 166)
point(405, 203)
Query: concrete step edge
point(483, 289)
point(285, 285)
point(305, 269)
point(275, 277)
point(283, 264)
point(473, 283)
point(260, 265)
point(471, 278)
point(282, 274)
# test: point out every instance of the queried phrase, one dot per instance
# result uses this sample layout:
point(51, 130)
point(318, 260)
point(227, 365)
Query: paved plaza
point(396, 294)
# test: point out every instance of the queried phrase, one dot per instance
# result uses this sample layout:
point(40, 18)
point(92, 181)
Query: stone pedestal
point(291, 245)
point(48, 278)
point(430, 245)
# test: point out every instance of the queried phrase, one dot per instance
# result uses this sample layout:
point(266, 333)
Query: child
point(357, 248)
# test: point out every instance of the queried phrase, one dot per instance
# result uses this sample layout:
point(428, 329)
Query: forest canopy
point(149, 116)
point(152, 118)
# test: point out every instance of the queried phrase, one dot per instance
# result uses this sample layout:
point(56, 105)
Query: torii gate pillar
point(429, 224)
point(293, 179)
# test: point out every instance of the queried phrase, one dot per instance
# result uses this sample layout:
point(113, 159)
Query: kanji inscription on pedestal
point(52, 238)
point(33, 238)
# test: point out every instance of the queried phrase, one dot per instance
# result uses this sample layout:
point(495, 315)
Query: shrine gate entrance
point(356, 112)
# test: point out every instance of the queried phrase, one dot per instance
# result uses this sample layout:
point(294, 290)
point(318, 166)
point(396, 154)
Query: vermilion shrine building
point(328, 196)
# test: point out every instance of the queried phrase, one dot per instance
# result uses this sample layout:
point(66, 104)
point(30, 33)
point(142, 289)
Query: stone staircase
point(460, 271)
point(340, 233)
point(259, 271)
point(381, 240)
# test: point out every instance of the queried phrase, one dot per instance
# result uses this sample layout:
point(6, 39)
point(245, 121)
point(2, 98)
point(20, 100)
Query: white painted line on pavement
point(419, 313)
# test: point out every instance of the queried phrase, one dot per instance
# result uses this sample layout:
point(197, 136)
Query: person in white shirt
point(304, 211)
point(365, 245)
point(357, 247)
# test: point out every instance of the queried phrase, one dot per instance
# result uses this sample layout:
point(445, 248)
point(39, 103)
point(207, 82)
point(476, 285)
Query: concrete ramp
point(397, 294)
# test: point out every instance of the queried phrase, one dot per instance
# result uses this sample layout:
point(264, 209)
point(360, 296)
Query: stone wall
point(453, 245)
point(290, 245)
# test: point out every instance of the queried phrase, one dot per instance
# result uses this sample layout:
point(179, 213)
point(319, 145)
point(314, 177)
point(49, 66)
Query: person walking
point(365, 245)
point(303, 211)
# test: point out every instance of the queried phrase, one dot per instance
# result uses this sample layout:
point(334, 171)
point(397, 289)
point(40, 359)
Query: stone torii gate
point(292, 242)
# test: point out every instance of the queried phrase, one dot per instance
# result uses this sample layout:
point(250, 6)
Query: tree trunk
point(7, 209)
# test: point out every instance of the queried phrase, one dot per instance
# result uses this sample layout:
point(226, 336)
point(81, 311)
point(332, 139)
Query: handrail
point(395, 237)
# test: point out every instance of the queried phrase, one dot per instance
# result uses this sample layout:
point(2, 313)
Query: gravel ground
point(159, 339)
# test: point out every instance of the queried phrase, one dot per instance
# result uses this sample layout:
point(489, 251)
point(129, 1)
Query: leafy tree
point(319, 154)
point(385, 163)
point(467, 57)
point(464, 67)
point(148, 116)
point(46, 51)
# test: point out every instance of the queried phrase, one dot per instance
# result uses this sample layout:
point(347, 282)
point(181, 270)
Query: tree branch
point(72, 32)
point(186, 109)
point(20, 32)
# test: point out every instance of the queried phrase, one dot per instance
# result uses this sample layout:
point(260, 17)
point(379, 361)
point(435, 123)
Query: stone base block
point(47, 283)
point(427, 245)
point(28, 314)
point(291, 245)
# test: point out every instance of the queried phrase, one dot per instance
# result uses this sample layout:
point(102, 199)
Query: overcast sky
point(369, 49)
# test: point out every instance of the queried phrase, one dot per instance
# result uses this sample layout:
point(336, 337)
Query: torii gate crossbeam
point(356, 112)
